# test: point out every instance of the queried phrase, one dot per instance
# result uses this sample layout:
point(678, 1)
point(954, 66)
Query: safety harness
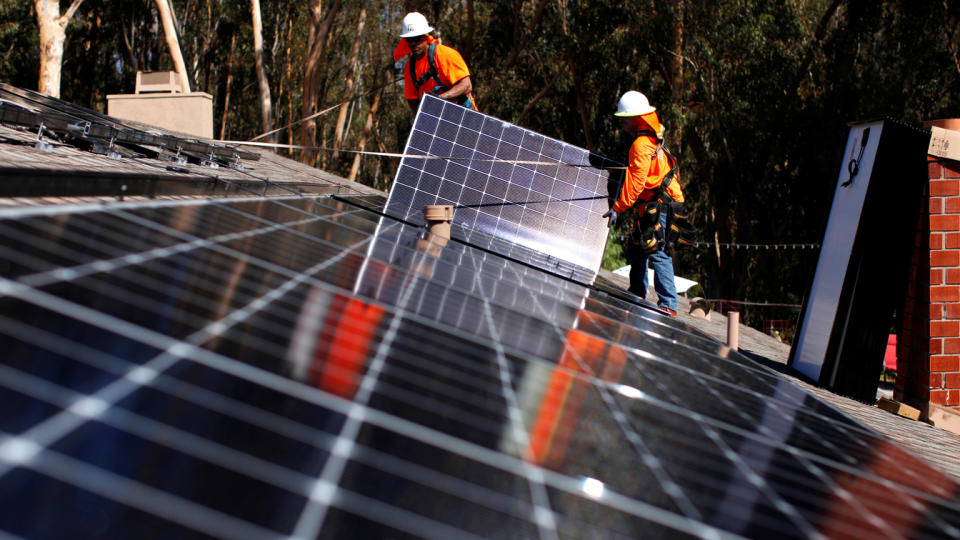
point(432, 72)
point(648, 235)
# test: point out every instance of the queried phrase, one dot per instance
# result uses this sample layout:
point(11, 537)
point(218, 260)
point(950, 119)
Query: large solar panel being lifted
point(306, 367)
point(506, 181)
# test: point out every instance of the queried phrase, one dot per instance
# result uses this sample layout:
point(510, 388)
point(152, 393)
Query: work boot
point(671, 312)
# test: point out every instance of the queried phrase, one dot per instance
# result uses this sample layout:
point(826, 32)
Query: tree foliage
point(756, 94)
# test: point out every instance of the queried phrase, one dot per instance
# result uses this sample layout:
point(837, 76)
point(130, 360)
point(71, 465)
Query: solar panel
point(507, 182)
point(302, 366)
point(33, 110)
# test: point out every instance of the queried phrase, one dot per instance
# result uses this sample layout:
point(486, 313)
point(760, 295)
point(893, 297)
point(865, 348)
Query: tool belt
point(649, 235)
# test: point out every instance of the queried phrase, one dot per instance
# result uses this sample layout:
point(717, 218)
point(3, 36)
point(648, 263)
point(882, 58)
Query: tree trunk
point(515, 41)
point(468, 43)
point(288, 77)
point(52, 35)
point(226, 93)
point(173, 42)
point(266, 107)
point(578, 91)
point(529, 107)
point(348, 88)
point(316, 45)
point(676, 72)
point(367, 129)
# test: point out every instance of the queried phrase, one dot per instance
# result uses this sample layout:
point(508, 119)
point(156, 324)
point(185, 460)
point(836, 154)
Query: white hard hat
point(414, 24)
point(633, 103)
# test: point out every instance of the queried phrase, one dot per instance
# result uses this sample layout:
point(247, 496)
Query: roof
point(310, 365)
point(936, 446)
point(76, 160)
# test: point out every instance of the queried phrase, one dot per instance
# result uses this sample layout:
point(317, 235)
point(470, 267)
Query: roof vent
point(149, 82)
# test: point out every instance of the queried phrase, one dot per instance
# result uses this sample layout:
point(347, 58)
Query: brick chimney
point(928, 341)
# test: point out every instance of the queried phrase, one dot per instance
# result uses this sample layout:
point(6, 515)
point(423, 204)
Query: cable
point(745, 303)
point(757, 246)
point(414, 156)
point(323, 112)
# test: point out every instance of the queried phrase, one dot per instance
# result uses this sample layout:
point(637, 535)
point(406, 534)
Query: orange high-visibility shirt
point(646, 168)
point(450, 68)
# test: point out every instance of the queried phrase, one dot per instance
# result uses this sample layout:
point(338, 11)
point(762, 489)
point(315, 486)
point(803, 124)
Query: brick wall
point(928, 342)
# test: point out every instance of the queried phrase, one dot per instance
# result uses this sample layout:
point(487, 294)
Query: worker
point(651, 187)
point(433, 68)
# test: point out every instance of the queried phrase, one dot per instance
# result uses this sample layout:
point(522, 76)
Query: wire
point(757, 246)
point(414, 156)
point(323, 112)
point(745, 303)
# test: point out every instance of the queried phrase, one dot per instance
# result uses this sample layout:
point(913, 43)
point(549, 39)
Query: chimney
point(159, 101)
point(928, 332)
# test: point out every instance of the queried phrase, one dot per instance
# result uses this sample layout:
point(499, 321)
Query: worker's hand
point(612, 215)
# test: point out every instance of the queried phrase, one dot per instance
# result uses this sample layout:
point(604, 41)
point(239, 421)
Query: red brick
point(936, 240)
point(951, 169)
point(951, 241)
point(935, 346)
point(951, 380)
point(937, 312)
point(950, 222)
point(953, 398)
point(951, 275)
point(944, 258)
point(907, 323)
point(953, 311)
point(945, 363)
point(935, 171)
point(936, 205)
point(944, 328)
point(951, 205)
point(936, 276)
point(945, 293)
point(938, 396)
point(936, 380)
point(951, 345)
point(908, 305)
point(944, 188)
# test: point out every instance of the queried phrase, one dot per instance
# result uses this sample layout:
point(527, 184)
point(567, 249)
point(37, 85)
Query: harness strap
point(661, 192)
point(431, 71)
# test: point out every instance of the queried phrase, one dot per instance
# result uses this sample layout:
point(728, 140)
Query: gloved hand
point(612, 215)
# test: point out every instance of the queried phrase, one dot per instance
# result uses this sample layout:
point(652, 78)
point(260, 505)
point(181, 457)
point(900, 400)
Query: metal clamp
point(211, 161)
point(176, 158)
point(41, 144)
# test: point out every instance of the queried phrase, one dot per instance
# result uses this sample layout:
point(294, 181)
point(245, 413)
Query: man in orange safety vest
point(650, 185)
point(433, 68)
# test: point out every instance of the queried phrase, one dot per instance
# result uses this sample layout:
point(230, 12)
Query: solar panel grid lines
point(456, 415)
point(543, 515)
point(496, 190)
point(802, 524)
point(505, 251)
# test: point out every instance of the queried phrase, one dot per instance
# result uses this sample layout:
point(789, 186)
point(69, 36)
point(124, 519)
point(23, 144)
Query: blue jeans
point(662, 265)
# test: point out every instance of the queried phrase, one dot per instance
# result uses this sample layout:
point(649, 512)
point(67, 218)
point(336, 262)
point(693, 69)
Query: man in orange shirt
point(432, 68)
point(650, 180)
